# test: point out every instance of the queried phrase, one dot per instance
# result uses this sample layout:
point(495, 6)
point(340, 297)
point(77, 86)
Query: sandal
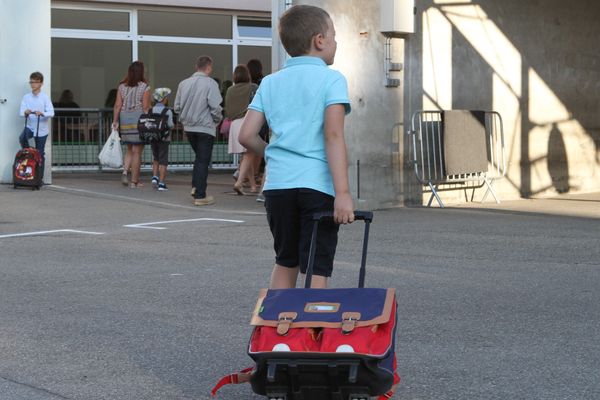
point(238, 189)
point(134, 185)
point(125, 179)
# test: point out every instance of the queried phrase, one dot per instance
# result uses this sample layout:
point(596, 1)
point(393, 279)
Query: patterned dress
point(131, 111)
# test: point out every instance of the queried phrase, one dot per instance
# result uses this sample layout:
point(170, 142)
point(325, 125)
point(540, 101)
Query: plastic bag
point(111, 155)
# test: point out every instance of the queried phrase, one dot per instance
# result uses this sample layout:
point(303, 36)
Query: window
point(90, 19)
point(254, 28)
point(263, 53)
point(89, 68)
point(166, 23)
point(167, 64)
point(92, 48)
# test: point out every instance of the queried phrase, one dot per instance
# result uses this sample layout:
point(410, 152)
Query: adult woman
point(256, 75)
point(133, 98)
point(236, 104)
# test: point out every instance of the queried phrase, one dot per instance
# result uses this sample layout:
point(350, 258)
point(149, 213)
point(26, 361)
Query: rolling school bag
point(28, 165)
point(323, 344)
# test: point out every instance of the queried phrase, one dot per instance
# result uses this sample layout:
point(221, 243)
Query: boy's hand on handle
point(343, 209)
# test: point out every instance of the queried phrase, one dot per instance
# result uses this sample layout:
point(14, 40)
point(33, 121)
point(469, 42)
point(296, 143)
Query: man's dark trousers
point(202, 144)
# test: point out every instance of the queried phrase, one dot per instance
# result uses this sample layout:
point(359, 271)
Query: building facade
point(533, 62)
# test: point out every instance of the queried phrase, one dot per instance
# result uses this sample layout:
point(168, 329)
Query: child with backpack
point(160, 149)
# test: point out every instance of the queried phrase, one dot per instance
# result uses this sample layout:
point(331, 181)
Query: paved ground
point(495, 301)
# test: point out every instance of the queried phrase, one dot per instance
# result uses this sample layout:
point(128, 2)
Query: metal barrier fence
point(426, 141)
point(78, 135)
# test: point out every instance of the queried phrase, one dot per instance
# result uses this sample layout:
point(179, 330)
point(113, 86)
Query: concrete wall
point(374, 127)
point(533, 61)
point(536, 62)
point(24, 48)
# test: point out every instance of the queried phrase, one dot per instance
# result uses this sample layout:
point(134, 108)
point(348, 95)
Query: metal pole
point(358, 179)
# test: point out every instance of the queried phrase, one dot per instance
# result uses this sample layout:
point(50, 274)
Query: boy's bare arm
point(335, 146)
point(248, 135)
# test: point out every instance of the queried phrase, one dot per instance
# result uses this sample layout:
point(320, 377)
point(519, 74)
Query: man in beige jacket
point(198, 103)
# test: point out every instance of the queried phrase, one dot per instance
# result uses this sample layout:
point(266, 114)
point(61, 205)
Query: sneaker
point(208, 200)
point(193, 192)
point(162, 187)
point(260, 198)
point(154, 181)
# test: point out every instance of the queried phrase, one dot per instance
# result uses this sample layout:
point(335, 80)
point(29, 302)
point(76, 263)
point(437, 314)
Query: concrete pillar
point(374, 128)
point(24, 47)
point(278, 54)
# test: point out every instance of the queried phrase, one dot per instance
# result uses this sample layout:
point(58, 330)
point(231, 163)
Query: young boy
point(305, 104)
point(36, 104)
point(160, 150)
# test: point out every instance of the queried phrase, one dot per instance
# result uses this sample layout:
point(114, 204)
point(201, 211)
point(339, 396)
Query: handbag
point(225, 126)
point(111, 155)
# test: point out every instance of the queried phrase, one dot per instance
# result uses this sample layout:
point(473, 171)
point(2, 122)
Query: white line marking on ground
point(146, 225)
point(162, 203)
point(38, 233)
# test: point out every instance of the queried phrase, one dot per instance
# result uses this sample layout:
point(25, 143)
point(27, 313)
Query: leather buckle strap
point(285, 321)
point(349, 320)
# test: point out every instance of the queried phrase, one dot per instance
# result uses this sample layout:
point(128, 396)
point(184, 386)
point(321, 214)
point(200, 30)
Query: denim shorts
point(289, 213)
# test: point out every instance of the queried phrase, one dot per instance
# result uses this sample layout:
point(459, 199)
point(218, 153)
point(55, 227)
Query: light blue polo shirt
point(293, 101)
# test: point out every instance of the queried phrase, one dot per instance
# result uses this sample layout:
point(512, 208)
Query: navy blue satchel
point(323, 344)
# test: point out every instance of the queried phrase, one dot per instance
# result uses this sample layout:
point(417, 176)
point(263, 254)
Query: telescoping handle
point(37, 129)
point(366, 216)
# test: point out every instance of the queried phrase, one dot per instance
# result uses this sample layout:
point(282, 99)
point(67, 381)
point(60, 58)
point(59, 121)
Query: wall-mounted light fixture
point(397, 20)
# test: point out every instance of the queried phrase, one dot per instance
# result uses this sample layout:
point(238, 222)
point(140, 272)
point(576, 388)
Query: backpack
point(154, 127)
point(28, 168)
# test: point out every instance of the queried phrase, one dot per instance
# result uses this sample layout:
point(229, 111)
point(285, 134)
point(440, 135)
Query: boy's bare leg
point(247, 172)
point(162, 172)
point(136, 162)
point(127, 158)
point(317, 281)
point(283, 277)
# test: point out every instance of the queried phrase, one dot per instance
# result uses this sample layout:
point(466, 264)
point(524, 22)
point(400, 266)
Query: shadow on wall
point(528, 60)
point(558, 166)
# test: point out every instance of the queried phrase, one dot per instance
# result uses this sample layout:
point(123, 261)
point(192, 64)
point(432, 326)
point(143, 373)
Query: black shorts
point(160, 152)
point(289, 213)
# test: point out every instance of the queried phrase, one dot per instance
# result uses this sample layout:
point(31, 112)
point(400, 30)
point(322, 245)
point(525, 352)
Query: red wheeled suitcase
point(325, 344)
point(28, 168)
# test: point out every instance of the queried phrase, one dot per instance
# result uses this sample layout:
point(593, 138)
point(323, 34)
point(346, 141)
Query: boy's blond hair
point(299, 25)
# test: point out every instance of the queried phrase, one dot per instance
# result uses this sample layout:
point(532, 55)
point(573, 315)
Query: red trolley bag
point(28, 166)
point(325, 344)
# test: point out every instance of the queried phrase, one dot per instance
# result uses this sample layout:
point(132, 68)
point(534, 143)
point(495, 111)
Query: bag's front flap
point(324, 308)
